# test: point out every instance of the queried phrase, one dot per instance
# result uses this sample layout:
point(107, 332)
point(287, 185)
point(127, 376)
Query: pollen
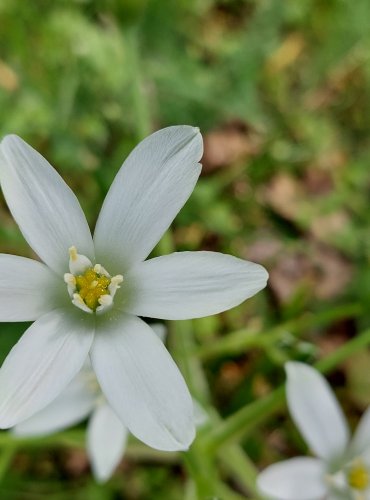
point(91, 286)
point(358, 476)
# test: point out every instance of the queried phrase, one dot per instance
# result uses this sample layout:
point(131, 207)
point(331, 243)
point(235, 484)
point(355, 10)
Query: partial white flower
point(87, 295)
point(106, 437)
point(342, 468)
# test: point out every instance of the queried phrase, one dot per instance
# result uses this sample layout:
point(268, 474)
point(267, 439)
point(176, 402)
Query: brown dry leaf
point(8, 77)
point(326, 227)
point(329, 162)
point(291, 272)
point(328, 344)
point(231, 375)
point(318, 181)
point(263, 250)
point(76, 462)
point(335, 336)
point(333, 272)
point(230, 144)
point(285, 195)
point(319, 269)
point(277, 441)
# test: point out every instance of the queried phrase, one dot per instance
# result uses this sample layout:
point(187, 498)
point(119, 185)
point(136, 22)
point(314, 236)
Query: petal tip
point(194, 136)
point(264, 275)
point(293, 368)
point(10, 139)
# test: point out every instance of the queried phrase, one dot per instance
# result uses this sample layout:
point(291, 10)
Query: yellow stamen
point(91, 286)
point(358, 476)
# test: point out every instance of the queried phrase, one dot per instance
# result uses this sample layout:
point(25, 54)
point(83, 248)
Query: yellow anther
point(73, 253)
point(358, 476)
point(91, 286)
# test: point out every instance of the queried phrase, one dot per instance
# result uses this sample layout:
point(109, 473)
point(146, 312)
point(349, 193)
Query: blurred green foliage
point(281, 91)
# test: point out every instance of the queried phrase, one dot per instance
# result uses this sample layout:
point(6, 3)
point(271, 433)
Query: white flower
point(106, 435)
point(87, 295)
point(342, 468)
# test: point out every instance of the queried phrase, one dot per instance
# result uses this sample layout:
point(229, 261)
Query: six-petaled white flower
point(86, 296)
point(341, 470)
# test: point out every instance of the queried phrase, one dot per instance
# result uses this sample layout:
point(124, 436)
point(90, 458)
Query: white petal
point(316, 411)
point(191, 285)
point(72, 406)
point(42, 363)
point(42, 204)
point(106, 442)
point(28, 289)
point(361, 439)
point(294, 479)
point(160, 330)
point(149, 190)
point(142, 383)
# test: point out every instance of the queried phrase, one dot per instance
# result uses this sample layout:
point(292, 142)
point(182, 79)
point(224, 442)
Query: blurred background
point(281, 93)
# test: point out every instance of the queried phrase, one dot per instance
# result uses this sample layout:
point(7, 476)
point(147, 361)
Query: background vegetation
point(281, 92)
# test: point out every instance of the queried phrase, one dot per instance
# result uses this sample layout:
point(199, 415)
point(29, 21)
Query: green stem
point(76, 438)
point(198, 463)
point(182, 342)
point(201, 464)
point(247, 418)
point(244, 339)
point(354, 345)
point(240, 468)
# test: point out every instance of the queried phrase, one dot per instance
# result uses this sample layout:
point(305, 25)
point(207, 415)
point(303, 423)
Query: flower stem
point(240, 467)
point(200, 463)
point(247, 418)
point(244, 339)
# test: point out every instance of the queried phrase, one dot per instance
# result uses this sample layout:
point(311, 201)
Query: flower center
point(91, 288)
point(358, 476)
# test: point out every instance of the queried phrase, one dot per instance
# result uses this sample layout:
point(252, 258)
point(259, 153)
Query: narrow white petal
point(295, 479)
point(361, 439)
point(191, 285)
point(160, 330)
point(149, 190)
point(42, 363)
point(142, 383)
point(28, 289)
point(72, 406)
point(316, 411)
point(42, 204)
point(106, 442)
